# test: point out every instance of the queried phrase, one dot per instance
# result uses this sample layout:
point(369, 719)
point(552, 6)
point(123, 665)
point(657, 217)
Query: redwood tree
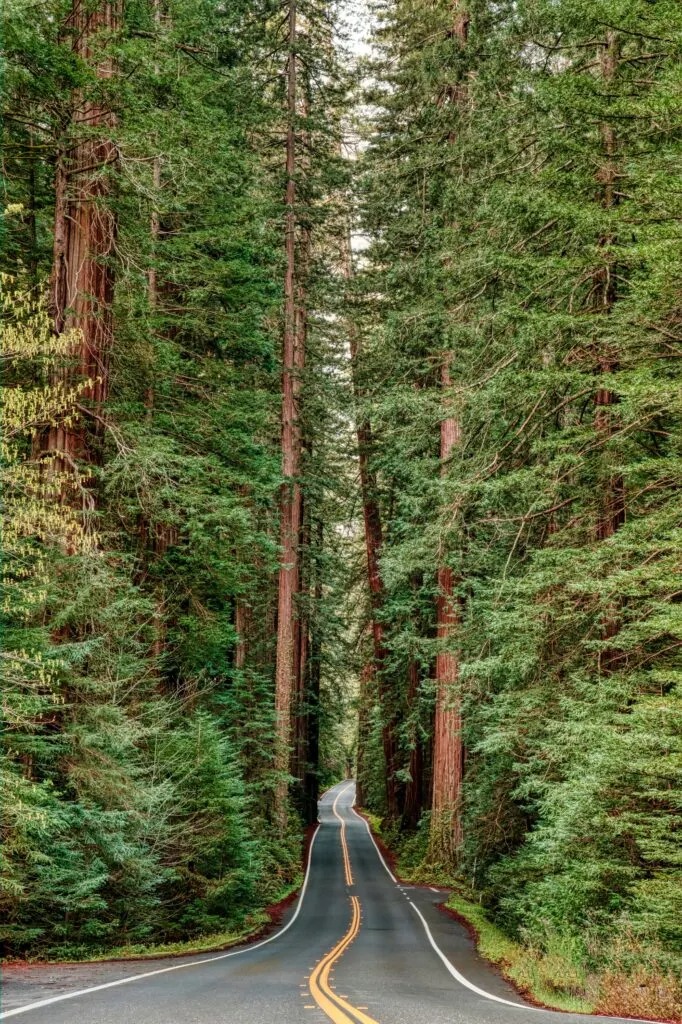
point(447, 733)
point(290, 504)
point(446, 826)
point(82, 282)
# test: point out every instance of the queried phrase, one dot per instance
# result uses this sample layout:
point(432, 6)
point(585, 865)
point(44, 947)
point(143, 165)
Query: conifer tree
point(290, 503)
point(527, 233)
point(84, 225)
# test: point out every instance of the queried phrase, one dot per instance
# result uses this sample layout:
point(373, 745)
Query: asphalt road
point(356, 949)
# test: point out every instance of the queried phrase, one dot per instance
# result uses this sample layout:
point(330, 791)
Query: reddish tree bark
point(447, 738)
point(310, 686)
point(301, 643)
point(446, 830)
point(364, 703)
point(290, 504)
point(82, 283)
point(300, 719)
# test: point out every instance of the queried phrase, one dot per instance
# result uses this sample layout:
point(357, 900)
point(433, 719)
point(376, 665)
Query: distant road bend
point(358, 948)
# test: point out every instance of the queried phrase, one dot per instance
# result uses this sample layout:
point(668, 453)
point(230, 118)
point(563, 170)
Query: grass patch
point(625, 978)
point(548, 976)
point(376, 823)
point(202, 944)
point(72, 953)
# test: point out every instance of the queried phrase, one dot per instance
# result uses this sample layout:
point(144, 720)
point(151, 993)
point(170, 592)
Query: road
point(358, 948)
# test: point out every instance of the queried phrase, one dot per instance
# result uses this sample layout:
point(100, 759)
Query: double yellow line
point(344, 844)
point(338, 1009)
point(335, 1007)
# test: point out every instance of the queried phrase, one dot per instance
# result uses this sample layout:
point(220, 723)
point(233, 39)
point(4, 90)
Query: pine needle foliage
point(532, 231)
point(140, 584)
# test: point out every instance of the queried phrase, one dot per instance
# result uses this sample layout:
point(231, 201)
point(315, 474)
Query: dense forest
point(342, 434)
point(150, 153)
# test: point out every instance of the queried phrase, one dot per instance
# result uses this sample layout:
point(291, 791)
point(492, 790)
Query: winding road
point(358, 948)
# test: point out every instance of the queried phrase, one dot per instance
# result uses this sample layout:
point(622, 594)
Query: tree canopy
point(341, 433)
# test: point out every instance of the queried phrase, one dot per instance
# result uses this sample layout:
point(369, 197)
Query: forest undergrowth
point(342, 430)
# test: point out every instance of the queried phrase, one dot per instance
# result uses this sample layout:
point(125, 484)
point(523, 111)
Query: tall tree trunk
point(311, 786)
point(301, 630)
point(290, 505)
point(82, 283)
point(373, 543)
point(447, 739)
point(446, 828)
point(312, 690)
point(241, 625)
point(301, 666)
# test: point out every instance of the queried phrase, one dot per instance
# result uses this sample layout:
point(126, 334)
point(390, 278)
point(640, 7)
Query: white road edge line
point(379, 854)
point(176, 967)
point(460, 977)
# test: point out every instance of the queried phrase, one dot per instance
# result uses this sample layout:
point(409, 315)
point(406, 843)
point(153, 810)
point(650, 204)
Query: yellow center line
point(344, 844)
point(334, 1006)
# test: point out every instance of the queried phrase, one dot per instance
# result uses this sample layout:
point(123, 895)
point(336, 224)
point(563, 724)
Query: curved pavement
point(358, 948)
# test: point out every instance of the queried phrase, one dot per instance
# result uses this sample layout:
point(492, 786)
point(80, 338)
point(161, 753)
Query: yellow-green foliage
point(34, 513)
point(34, 397)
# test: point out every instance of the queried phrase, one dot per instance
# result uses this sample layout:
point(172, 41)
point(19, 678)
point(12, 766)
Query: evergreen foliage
point(138, 758)
point(520, 195)
point(518, 191)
